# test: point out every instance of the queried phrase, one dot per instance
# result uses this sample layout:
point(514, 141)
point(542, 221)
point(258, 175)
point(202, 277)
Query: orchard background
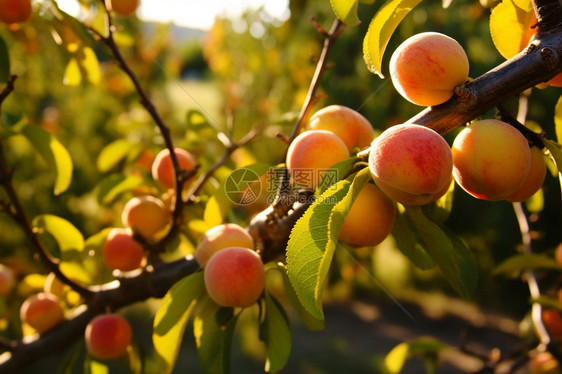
point(87, 102)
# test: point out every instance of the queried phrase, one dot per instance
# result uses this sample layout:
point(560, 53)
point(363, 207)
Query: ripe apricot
point(552, 320)
point(42, 311)
point(534, 179)
point(354, 129)
point(370, 219)
point(411, 164)
point(7, 280)
point(146, 215)
point(426, 68)
point(220, 237)
point(311, 154)
point(15, 11)
point(234, 277)
point(163, 168)
point(124, 7)
point(544, 363)
point(107, 336)
point(491, 159)
point(121, 251)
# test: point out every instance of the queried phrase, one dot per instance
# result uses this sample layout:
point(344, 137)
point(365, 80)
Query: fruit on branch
point(163, 168)
point(426, 68)
point(311, 154)
point(370, 218)
point(124, 7)
point(543, 363)
point(121, 251)
point(234, 277)
point(491, 159)
point(354, 129)
point(552, 320)
point(42, 312)
point(146, 215)
point(108, 336)
point(221, 237)
point(534, 180)
point(7, 280)
point(15, 11)
point(411, 164)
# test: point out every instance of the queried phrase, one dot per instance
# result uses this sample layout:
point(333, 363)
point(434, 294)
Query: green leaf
point(54, 154)
point(380, 30)
point(346, 11)
point(335, 173)
point(515, 265)
point(453, 257)
point(172, 316)
point(408, 241)
point(4, 62)
point(213, 337)
point(67, 236)
point(548, 301)
point(233, 191)
point(556, 151)
point(558, 119)
point(276, 333)
point(113, 153)
point(314, 238)
point(111, 187)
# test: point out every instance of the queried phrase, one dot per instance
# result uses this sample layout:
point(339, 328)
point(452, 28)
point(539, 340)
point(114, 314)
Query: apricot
point(311, 154)
point(108, 336)
point(41, 311)
point(552, 320)
point(370, 219)
point(411, 164)
point(146, 215)
point(544, 363)
point(163, 168)
point(121, 251)
point(220, 237)
point(354, 129)
point(534, 179)
point(124, 7)
point(234, 277)
point(7, 280)
point(15, 11)
point(426, 68)
point(491, 159)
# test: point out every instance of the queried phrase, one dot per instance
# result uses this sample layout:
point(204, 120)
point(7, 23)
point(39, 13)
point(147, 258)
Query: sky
point(196, 13)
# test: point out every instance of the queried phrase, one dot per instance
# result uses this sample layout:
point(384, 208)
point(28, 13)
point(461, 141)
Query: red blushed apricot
point(491, 159)
point(426, 68)
point(370, 219)
point(15, 11)
point(543, 363)
point(124, 7)
point(234, 277)
point(534, 179)
point(312, 153)
point(411, 164)
point(108, 336)
point(163, 168)
point(146, 215)
point(7, 280)
point(42, 311)
point(552, 320)
point(121, 251)
point(354, 129)
point(220, 237)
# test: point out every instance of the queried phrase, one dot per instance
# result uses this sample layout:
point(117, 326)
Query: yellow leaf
point(90, 65)
point(510, 27)
point(72, 76)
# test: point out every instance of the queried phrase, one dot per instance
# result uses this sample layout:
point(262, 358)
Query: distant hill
point(181, 34)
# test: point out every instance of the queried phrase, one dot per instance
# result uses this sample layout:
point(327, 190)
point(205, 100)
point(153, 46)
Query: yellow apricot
point(124, 7)
point(220, 237)
point(370, 219)
point(534, 179)
point(311, 154)
point(7, 280)
point(426, 68)
point(15, 11)
point(121, 251)
point(411, 164)
point(42, 311)
point(146, 215)
point(163, 168)
point(491, 159)
point(234, 277)
point(354, 129)
point(108, 336)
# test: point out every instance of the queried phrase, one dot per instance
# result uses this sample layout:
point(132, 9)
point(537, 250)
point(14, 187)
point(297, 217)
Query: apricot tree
point(177, 233)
